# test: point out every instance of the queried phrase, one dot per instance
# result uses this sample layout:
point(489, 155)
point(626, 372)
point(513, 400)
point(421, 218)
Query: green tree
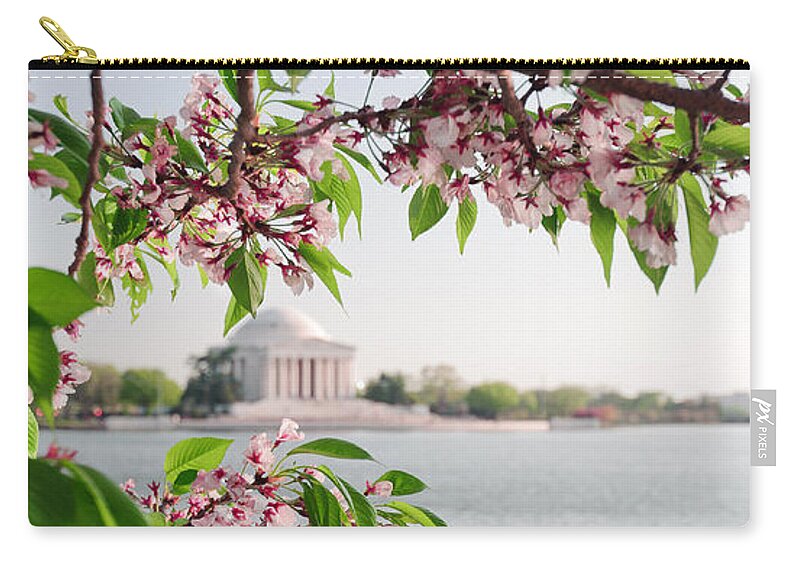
point(388, 388)
point(492, 398)
point(442, 390)
point(529, 402)
point(564, 401)
point(213, 386)
point(102, 391)
point(149, 388)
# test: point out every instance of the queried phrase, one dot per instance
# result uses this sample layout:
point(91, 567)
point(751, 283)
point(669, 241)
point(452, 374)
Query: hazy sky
point(512, 307)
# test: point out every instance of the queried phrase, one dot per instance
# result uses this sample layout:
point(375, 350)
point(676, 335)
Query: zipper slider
point(72, 52)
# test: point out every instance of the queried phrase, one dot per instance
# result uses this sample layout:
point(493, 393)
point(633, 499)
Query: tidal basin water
point(666, 475)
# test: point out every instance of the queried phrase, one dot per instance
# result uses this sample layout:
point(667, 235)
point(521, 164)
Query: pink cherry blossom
point(658, 244)
point(458, 188)
point(289, 432)
point(379, 488)
point(73, 330)
point(279, 514)
point(259, 452)
point(72, 374)
point(43, 179)
point(730, 218)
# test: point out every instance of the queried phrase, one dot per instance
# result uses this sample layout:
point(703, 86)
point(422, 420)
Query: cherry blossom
point(289, 432)
point(72, 374)
point(259, 452)
point(379, 488)
point(729, 216)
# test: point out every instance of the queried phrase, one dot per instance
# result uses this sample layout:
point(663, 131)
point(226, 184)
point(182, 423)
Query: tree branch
point(516, 109)
point(606, 81)
point(245, 131)
point(93, 174)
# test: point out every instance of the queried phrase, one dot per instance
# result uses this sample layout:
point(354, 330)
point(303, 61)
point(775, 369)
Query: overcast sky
point(511, 308)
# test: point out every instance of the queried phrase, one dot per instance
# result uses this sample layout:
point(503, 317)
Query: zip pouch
point(388, 293)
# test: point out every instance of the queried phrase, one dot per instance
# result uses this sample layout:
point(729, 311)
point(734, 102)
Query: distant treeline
point(443, 392)
point(145, 391)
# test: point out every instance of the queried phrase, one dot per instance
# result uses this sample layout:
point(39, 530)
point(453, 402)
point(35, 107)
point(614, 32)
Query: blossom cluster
point(258, 494)
point(527, 171)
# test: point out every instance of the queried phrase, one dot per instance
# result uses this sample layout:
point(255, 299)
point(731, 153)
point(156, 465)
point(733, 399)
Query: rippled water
point(695, 475)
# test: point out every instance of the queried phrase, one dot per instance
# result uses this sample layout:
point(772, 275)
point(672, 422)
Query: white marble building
point(283, 355)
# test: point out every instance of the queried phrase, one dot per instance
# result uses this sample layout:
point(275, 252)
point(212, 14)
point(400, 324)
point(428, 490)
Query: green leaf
point(703, 244)
point(360, 159)
point(553, 224)
point(56, 297)
point(323, 263)
point(656, 276)
point(121, 114)
point(733, 90)
point(346, 195)
point(127, 225)
point(437, 520)
point(72, 193)
point(170, 267)
point(414, 513)
point(322, 508)
point(84, 497)
point(267, 83)
point(229, 81)
point(51, 495)
point(137, 291)
point(60, 103)
point(332, 447)
point(602, 227)
point(189, 154)
point(246, 281)
point(146, 126)
point(362, 509)
point(195, 453)
point(731, 138)
point(297, 104)
point(330, 90)
point(403, 483)
point(233, 315)
point(465, 222)
point(101, 293)
point(683, 129)
point(425, 210)
point(43, 362)
point(107, 500)
point(70, 138)
point(296, 76)
point(33, 435)
point(183, 482)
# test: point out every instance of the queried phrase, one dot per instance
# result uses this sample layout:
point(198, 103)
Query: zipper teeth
point(370, 62)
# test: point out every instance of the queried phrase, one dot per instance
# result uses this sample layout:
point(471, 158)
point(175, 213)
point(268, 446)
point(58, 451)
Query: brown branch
point(245, 133)
point(516, 109)
point(363, 116)
point(606, 81)
point(93, 174)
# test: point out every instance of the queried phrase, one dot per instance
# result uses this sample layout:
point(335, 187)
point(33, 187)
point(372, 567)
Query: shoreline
point(423, 423)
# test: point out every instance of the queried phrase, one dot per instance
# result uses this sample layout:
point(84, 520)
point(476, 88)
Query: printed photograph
point(388, 297)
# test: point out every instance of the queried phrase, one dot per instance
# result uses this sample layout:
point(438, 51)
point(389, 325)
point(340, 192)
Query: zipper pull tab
point(72, 53)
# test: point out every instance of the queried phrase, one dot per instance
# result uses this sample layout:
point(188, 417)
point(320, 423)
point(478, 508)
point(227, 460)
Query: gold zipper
point(83, 57)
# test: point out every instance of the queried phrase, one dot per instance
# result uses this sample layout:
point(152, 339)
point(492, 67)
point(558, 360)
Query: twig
point(245, 131)
point(516, 109)
point(606, 81)
point(93, 173)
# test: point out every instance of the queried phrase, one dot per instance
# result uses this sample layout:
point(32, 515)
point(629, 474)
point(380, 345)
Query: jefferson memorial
point(284, 356)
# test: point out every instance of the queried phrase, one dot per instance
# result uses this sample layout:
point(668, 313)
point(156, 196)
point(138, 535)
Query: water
point(687, 475)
